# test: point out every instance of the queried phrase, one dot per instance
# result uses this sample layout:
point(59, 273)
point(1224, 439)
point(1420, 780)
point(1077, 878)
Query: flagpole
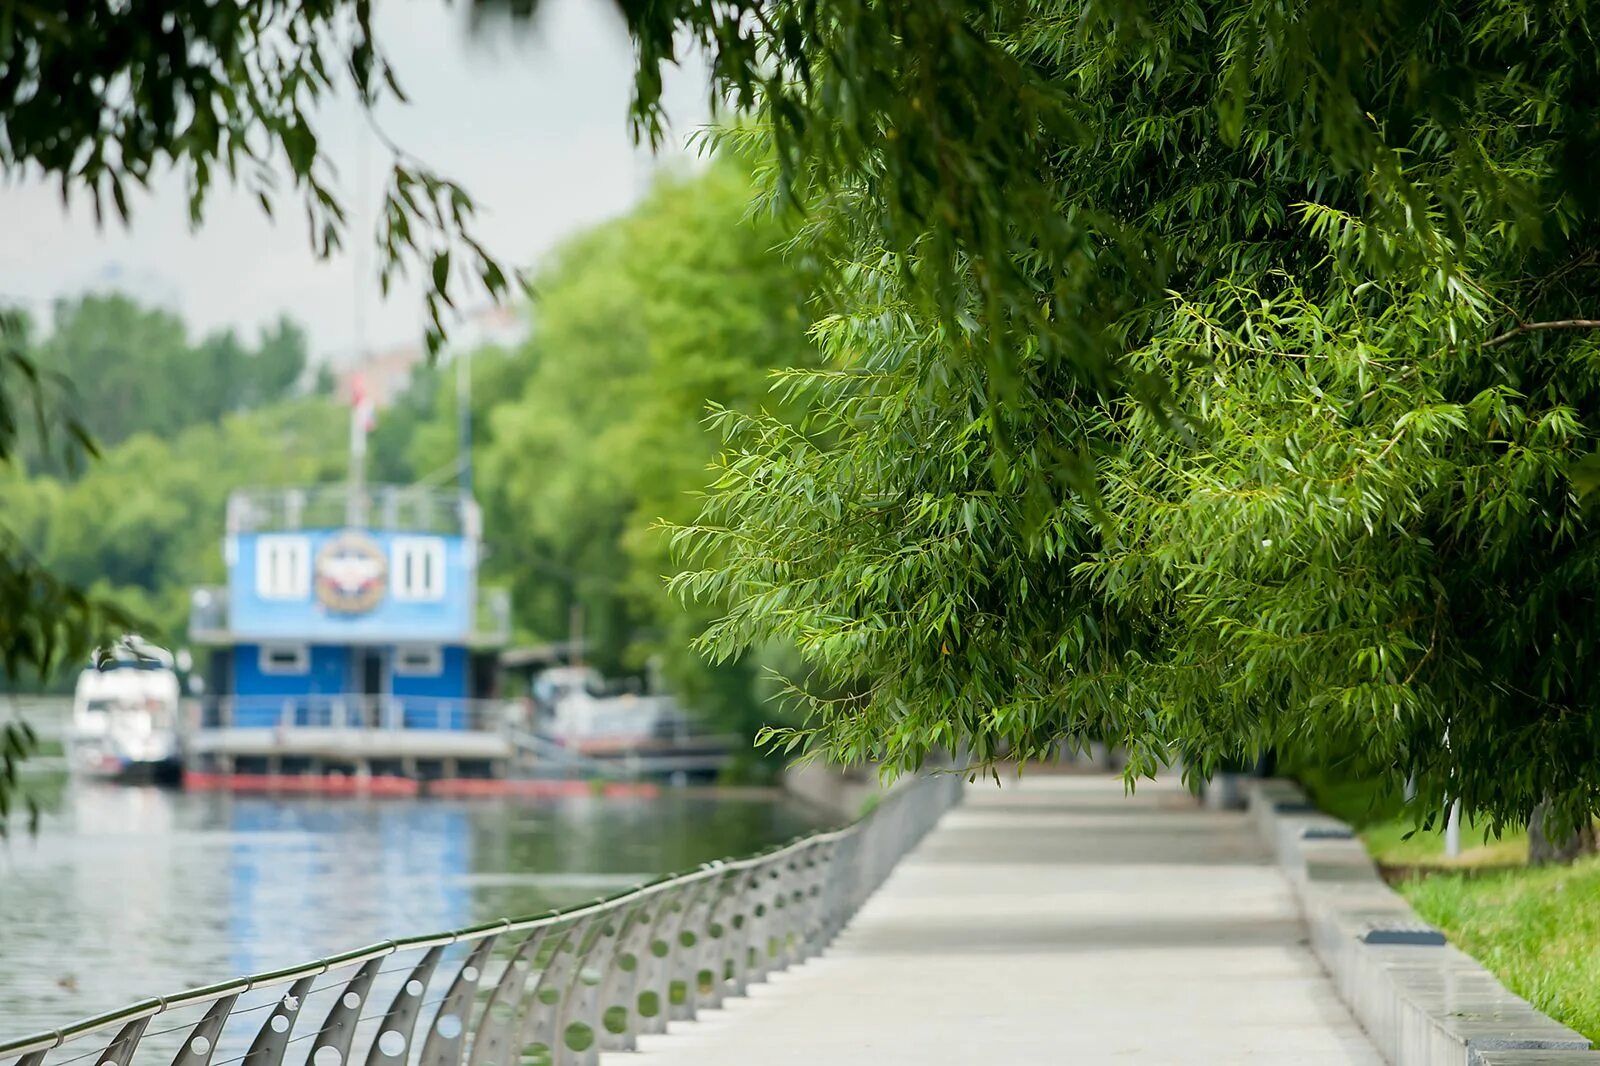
point(360, 403)
point(464, 419)
point(360, 416)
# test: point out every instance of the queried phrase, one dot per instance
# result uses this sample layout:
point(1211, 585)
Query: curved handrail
point(804, 877)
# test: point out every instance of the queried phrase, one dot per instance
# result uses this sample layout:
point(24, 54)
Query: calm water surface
point(128, 892)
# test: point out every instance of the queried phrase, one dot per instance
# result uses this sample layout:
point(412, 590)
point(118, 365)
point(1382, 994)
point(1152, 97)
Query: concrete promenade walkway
point(1051, 922)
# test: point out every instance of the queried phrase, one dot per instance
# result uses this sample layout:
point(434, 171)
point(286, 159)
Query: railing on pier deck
point(404, 508)
point(353, 710)
point(555, 989)
point(211, 623)
point(331, 722)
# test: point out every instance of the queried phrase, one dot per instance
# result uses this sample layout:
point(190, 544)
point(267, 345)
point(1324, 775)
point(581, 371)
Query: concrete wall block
point(1422, 1005)
point(1531, 1057)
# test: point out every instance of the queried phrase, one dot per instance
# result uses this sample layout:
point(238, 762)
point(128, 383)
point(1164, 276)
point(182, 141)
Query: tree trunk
point(1543, 848)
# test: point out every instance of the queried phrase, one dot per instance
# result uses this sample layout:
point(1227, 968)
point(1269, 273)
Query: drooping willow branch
point(1535, 327)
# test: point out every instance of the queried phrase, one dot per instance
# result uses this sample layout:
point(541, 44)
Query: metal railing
point(353, 710)
point(211, 623)
point(404, 508)
point(557, 988)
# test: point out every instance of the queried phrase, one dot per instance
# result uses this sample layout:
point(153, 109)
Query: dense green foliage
point(44, 621)
point(123, 362)
point(1342, 259)
point(134, 370)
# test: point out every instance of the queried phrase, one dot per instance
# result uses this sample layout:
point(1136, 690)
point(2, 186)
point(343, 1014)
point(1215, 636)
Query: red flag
point(364, 412)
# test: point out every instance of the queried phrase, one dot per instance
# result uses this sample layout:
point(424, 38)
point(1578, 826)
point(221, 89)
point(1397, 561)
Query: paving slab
point(1053, 920)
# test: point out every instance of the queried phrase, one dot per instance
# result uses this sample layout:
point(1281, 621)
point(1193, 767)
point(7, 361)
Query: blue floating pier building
point(352, 645)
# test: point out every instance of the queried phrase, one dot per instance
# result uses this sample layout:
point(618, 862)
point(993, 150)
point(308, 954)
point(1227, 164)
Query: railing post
point(843, 873)
point(446, 1037)
point(201, 1043)
point(791, 898)
point(750, 928)
point(541, 1032)
point(120, 1051)
point(768, 918)
point(541, 990)
point(273, 1039)
point(576, 1038)
point(615, 1008)
point(799, 905)
point(637, 993)
point(339, 1028)
point(502, 1014)
point(393, 1043)
point(706, 969)
point(817, 906)
point(672, 975)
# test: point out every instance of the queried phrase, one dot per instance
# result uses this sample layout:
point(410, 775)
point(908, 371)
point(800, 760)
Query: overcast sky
point(534, 125)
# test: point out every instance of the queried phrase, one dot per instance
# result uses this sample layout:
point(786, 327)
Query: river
point(127, 892)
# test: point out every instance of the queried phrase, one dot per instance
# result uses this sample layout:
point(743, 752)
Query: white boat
point(125, 717)
point(578, 709)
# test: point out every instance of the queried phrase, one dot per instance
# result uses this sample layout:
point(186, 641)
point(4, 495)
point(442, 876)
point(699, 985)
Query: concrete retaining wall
point(841, 793)
point(1423, 1002)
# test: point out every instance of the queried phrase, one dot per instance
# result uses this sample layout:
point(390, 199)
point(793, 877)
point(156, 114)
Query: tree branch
point(1533, 327)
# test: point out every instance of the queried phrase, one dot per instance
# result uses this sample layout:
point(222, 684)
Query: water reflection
point(304, 874)
point(128, 892)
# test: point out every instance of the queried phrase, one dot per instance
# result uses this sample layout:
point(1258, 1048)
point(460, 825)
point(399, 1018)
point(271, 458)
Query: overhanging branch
point(1535, 327)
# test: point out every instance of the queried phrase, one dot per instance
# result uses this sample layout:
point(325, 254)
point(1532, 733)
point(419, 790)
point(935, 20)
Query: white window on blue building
point(417, 570)
point(419, 660)
point(283, 568)
point(285, 659)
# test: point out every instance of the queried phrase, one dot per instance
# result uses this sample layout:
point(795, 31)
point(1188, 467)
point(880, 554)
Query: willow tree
point(1319, 485)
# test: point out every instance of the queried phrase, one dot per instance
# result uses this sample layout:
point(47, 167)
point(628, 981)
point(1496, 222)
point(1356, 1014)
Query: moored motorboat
point(125, 717)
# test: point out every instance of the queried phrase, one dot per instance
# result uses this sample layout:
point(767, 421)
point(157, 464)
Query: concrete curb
point(1421, 1001)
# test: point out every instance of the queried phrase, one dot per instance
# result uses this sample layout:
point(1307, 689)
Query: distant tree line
point(131, 513)
point(134, 369)
point(116, 433)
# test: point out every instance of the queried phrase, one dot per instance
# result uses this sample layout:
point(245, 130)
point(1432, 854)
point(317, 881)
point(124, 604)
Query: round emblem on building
point(351, 573)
